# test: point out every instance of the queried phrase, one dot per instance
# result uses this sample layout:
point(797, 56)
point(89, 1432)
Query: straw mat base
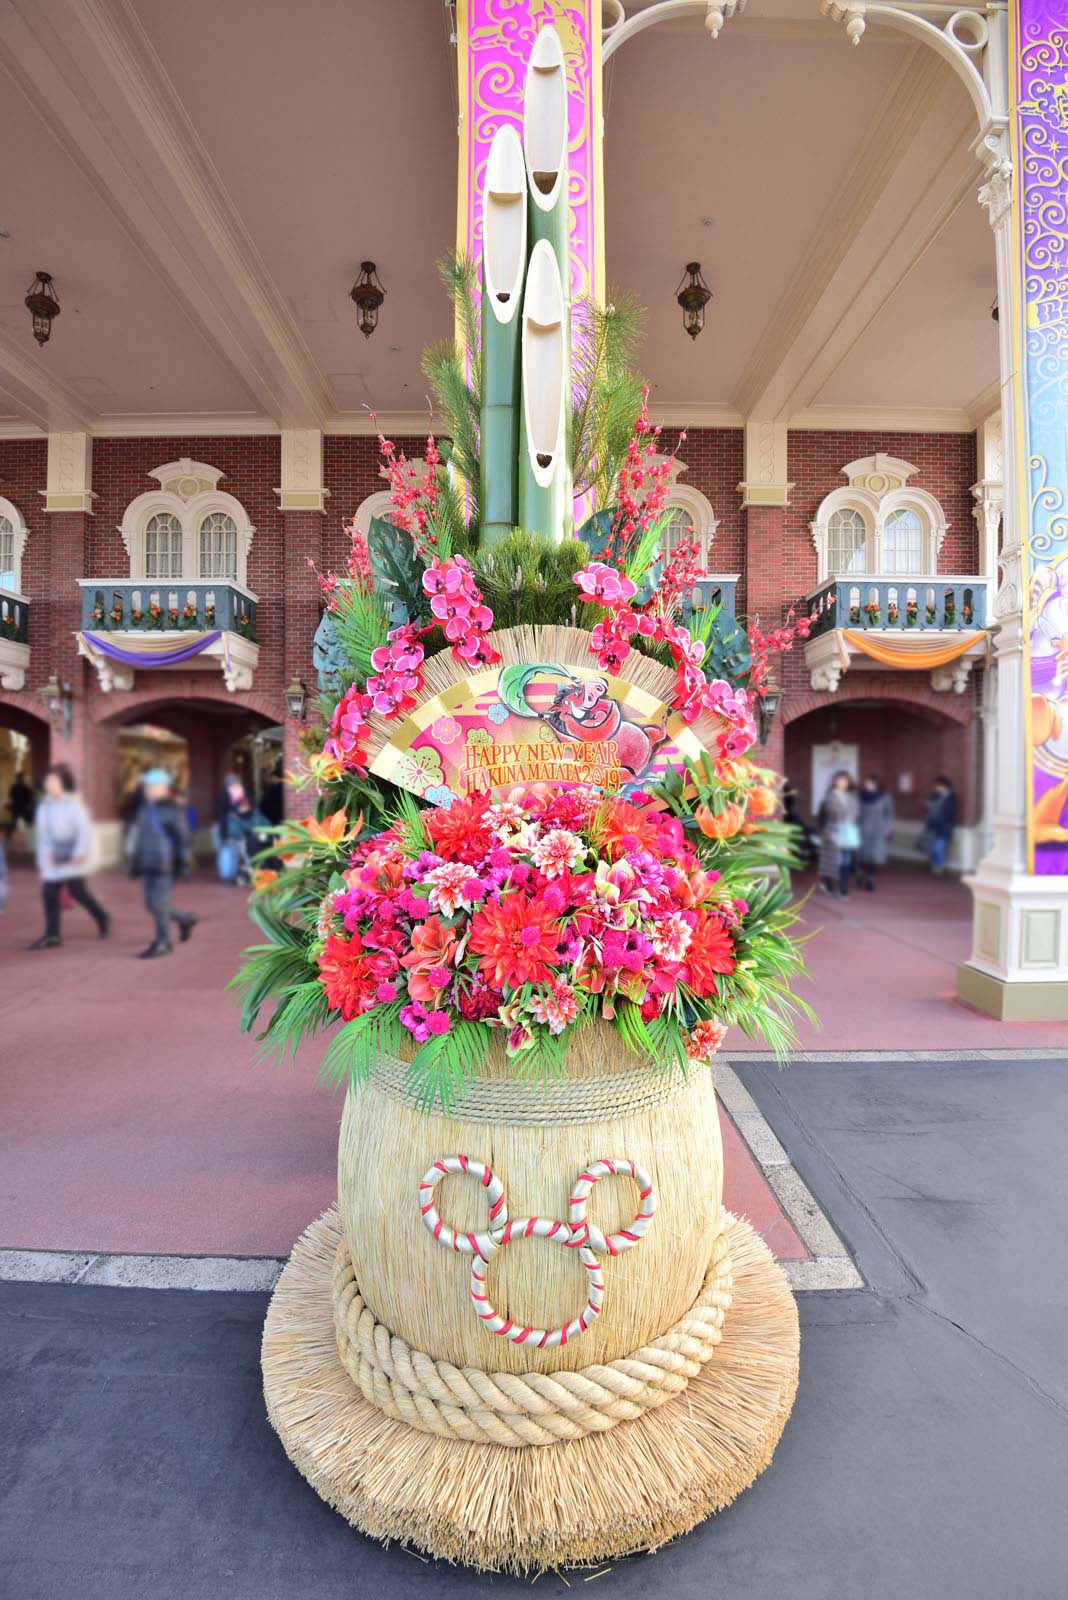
point(574, 1503)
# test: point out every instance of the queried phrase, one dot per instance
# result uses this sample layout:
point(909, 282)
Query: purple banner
point(151, 658)
point(1040, 127)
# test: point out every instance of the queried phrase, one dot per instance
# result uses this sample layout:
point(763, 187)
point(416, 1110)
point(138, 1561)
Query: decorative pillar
point(1018, 968)
point(302, 501)
point(765, 493)
point(989, 496)
point(68, 501)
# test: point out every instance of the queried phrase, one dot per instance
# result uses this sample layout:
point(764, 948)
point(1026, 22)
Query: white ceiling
point(203, 181)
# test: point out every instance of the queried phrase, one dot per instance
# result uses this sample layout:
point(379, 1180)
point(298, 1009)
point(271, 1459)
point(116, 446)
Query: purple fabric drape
point(162, 658)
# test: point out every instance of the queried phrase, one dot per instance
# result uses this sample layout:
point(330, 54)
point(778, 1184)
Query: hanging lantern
point(43, 306)
point(693, 295)
point(368, 294)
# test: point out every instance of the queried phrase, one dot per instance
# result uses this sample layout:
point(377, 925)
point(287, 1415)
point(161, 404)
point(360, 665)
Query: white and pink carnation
point(670, 936)
point(556, 1006)
point(453, 886)
point(557, 851)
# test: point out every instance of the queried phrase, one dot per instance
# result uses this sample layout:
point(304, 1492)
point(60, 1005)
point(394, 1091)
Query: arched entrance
point(198, 741)
point(25, 743)
point(907, 745)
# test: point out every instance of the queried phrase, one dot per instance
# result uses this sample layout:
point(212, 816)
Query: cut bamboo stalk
point(546, 507)
point(504, 252)
point(545, 145)
point(544, 481)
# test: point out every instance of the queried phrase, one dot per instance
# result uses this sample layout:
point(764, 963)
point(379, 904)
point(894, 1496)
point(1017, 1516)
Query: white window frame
point(19, 535)
point(193, 496)
point(683, 497)
point(876, 509)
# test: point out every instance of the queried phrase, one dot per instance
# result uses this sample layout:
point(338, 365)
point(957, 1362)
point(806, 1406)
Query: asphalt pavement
point(927, 1454)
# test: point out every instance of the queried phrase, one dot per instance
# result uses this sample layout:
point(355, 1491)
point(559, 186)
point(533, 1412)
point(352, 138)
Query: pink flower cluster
point(349, 730)
point(413, 500)
point(528, 914)
point(397, 678)
point(456, 603)
point(644, 482)
point(694, 694)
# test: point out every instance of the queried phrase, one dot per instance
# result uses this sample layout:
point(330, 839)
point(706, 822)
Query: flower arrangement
point(892, 613)
point(912, 614)
point(528, 912)
point(872, 613)
point(9, 627)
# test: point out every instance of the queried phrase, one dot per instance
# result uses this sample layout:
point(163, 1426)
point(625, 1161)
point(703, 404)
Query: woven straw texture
point(576, 1502)
point(421, 1292)
point(541, 1408)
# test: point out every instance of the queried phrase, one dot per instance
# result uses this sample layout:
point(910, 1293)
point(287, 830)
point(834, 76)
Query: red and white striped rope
point(576, 1234)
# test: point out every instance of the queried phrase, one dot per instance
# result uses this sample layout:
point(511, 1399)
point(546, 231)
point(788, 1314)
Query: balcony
point(132, 625)
point(908, 622)
point(14, 640)
point(712, 589)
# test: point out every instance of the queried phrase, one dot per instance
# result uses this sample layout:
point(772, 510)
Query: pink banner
point(494, 40)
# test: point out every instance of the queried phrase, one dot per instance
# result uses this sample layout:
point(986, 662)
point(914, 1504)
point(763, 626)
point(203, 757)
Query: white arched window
point(847, 541)
point(879, 526)
point(218, 546)
point(163, 545)
point(690, 516)
point(12, 544)
point(187, 528)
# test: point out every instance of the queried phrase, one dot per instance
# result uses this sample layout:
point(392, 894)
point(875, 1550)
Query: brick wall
point(782, 562)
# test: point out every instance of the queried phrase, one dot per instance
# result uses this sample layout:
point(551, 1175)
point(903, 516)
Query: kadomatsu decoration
point(541, 879)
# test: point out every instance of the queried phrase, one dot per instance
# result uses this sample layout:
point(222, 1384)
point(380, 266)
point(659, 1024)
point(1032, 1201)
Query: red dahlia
point(516, 940)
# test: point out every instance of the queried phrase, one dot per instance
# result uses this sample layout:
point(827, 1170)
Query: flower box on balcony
point(212, 623)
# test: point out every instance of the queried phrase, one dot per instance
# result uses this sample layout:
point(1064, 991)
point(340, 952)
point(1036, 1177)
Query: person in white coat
point(62, 837)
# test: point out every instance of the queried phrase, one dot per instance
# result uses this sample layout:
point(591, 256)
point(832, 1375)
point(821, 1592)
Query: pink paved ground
point(134, 1116)
point(883, 973)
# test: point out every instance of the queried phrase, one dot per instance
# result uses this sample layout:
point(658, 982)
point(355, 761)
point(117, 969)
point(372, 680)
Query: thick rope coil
point(536, 1408)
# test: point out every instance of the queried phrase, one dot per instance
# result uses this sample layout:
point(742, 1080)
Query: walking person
point(158, 854)
point(839, 820)
point(876, 824)
point(939, 824)
point(19, 804)
point(62, 838)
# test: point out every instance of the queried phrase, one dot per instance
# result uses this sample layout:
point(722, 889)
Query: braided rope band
point(534, 1104)
point(539, 1407)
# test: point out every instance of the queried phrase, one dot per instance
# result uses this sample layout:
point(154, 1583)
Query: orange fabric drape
point(919, 659)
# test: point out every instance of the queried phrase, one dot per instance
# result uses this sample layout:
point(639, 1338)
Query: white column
point(302, 487)
point(69, 485)
point(1019, 963)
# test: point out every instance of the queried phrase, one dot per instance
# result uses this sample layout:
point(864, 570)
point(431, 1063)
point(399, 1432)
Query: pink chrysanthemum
point(556, 1006)
point(453, 885)
point(558, 851)
point(670, 936)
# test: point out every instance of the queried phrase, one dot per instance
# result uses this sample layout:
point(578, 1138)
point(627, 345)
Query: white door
point(827, 759)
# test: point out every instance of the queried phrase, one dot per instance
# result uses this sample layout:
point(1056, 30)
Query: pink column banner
point(494, 41)
point(1040, 129)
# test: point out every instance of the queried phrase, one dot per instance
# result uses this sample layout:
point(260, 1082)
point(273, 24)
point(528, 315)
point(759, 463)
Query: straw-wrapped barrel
point(624, 1157)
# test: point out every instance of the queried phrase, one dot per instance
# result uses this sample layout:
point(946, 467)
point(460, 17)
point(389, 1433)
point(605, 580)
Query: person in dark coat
point(939, 824)
point(876, 822)
point(159, 853)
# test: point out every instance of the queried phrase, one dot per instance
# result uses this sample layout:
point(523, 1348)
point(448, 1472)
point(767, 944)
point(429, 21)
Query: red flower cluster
point(643, 484)
point(529, 914)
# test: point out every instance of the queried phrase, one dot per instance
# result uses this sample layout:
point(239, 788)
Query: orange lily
point(730, 821)
point(333, 830)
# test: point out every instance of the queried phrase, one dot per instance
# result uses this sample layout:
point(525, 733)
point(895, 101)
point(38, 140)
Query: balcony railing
point(14, 617)
point(713, 589)
point(932, 603)
point(143, 605)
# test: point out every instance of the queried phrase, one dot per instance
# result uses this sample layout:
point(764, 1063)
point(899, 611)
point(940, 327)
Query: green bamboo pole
point(544, 479)
point(504, 248)
point(546, 501)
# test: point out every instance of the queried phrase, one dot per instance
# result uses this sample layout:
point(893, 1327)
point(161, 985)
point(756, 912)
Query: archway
point(199, 741)
point(25, 745)
point(907, 744)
